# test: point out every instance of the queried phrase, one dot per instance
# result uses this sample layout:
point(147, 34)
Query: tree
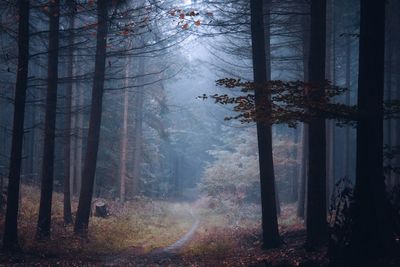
point(264, 135)
point(372, 232)
point(89, 169)
point(46, 192)
point(10, 239)
point(316, 199)
point(68, 121)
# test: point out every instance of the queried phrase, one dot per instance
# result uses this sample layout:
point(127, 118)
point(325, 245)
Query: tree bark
point(271, 237)
point(10, 238)
point(44, 221)
point(316, 197)
point(89, 169)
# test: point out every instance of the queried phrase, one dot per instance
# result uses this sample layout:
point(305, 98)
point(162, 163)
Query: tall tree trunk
point(316, 197)
point(305, 24)
point(10, 238)
point(372, 234)
point(271, 237)
point(138, 134)
point(68, 122)
point(124, 137)
point(89, 169)
point(79, 138)
point(46, 192)
point(348, 85)
point(301, 211)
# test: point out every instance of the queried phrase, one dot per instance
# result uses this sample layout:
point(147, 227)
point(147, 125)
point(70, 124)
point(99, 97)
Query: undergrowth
point(142, 224)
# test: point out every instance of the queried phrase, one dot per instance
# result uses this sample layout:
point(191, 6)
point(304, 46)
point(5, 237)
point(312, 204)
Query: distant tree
point(271, 237)
point(68, 121)
point(44, 221)
point(316, 185)
point(10, 238)
point(89, 169)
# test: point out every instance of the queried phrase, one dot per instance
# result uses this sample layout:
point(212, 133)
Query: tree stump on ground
point(101, 209)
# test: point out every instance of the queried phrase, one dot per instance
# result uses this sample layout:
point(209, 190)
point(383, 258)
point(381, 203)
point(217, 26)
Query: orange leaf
point(197, 23)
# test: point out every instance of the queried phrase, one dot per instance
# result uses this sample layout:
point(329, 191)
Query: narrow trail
point(159, 256)
point(183, 240)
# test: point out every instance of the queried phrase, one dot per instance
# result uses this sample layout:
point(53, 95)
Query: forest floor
point(160, 233)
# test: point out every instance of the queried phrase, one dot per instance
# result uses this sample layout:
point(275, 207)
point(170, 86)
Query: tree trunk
point(303, 172)
point(348, 85)
point(44, 221)
point(137, 154)
point(89, 169)
point(372, 234)
point(79, 139)
point(301, 211)
point(261, 71)
point(68, 122)
point(316, 197)
point(124, 138)
point(10, 238)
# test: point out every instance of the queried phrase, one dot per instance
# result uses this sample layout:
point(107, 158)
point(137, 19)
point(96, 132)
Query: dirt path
point(158, 257)
point(185, 238)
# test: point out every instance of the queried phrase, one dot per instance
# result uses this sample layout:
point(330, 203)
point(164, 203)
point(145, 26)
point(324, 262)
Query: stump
point(101, 209)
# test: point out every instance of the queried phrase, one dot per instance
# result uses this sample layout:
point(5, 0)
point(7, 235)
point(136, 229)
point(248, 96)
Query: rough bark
point(46, 192)
point(10, 238)
point(316, 197)
point(89, 169)
point(271, 237)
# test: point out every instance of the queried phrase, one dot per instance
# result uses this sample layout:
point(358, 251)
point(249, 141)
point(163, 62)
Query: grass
point(142, 224)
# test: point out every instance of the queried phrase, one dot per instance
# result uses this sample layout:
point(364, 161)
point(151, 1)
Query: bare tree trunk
point(301, 209)
point(44, 221)
point(303, 172)
point(138, 134)
point(79, 139)
point(316, 197)
point(10, 238)
point(124, 138)
point(85, 198)
point(348, 85)
point(262, 74)
point(372, 230)
point(67, 144)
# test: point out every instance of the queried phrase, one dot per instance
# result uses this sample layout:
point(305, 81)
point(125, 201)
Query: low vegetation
point(143, 224)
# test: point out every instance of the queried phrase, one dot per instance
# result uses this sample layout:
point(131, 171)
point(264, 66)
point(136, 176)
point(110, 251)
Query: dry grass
point(141, 224)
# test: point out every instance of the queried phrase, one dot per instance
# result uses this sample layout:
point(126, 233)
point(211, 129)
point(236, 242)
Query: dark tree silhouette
point(372, 232)
point(44, 221)
point(89, 169)
point(10, 239)
point(271, 237)
point(316, 200)
point(67, 147)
